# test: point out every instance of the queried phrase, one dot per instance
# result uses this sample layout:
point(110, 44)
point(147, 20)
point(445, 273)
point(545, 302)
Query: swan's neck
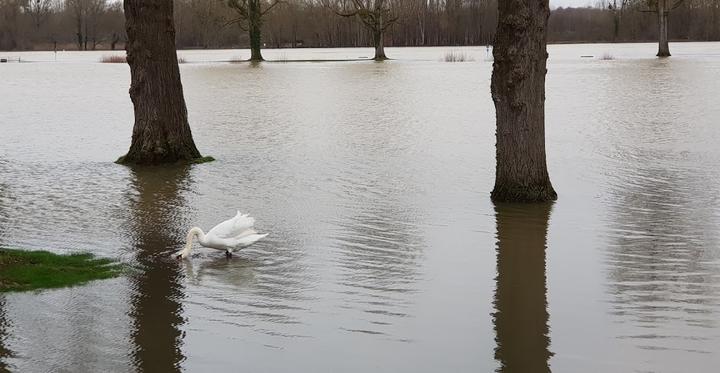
point(188, 245)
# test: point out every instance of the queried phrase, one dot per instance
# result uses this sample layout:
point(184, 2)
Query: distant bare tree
point(376, 15)
point(38, 10)
point(79, 10)
point(95, 10)
point(249, 16)
point(30, 24)
point(662, 9)
point(10, 12)
point(616, 7)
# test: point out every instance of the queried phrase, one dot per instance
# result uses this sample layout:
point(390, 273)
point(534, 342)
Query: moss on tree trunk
point(518, 91)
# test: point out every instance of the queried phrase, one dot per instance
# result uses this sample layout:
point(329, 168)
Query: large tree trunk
point(616, 24)
point(379, 43)
point(521, 315)
point(161, 133)
point(518, 90)
point(663, 46)
point(716, 21)
point(255, 30)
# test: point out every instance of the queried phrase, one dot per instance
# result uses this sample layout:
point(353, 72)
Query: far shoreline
point(419, 46)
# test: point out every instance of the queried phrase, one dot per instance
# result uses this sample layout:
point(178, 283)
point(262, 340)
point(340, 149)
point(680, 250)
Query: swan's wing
point(232, 227)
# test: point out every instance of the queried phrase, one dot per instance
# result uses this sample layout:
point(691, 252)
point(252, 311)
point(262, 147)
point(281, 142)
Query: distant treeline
point(99, 24)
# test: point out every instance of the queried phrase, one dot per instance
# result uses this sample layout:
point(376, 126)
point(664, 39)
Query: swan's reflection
point(238, 272)
point(155, 222)
point(521, 317)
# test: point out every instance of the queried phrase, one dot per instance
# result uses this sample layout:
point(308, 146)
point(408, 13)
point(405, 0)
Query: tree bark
point(255, 30)
point(378, 37)
point(663, 13)
point(521, 314)
point(161, 133)
point(518, 91)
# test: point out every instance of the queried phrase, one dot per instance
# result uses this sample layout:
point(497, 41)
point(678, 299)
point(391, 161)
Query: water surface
point(385, 253)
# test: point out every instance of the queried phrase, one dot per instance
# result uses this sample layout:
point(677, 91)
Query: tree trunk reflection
point(521, 317)
point(156, 309)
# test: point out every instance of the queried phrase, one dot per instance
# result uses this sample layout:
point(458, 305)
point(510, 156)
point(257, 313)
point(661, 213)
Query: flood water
point(385, 253)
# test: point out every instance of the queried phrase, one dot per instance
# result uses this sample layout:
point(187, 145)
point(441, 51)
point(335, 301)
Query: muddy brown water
point(385, 253)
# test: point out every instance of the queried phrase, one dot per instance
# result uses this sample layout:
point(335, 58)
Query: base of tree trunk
point(380, 58)
point(144, 160)
point(662, 53)
point(523, 193)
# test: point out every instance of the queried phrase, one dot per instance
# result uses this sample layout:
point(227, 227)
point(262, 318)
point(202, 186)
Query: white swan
point(230, 235)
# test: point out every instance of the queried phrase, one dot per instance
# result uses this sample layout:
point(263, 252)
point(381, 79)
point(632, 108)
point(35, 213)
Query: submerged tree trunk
point(518, 91)
point(255, 30)
point(663, 13)
point(161, 133)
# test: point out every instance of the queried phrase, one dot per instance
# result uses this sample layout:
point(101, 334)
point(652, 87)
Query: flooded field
point(385, 252)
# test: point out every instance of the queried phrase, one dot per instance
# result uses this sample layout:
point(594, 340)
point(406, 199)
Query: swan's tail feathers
point(249, 232)
point(250, 239)
point(243, 222)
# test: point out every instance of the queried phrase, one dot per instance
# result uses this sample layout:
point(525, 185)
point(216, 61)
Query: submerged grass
point(114, 58)
point(22, 270)
point(457, 56)
point(200, 160)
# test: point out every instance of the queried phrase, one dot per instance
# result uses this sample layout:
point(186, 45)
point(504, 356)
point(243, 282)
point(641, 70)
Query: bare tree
point(95, 10)
point(376, 15)
point(79, 10)
point(208, 19)
point(10, 12)
point(662, 9)
point(518, 91)
point(161, 133)
point(38, 10)
point(203, 23)
point(617, 8)
point(249, 16)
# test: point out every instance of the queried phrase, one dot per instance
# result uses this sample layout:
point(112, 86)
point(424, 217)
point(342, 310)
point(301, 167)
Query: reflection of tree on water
point(521, 317)
point(4, 324)
point(156, 224)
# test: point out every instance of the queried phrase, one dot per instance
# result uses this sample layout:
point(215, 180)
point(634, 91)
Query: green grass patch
point(202, 160)
point(22, 270)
